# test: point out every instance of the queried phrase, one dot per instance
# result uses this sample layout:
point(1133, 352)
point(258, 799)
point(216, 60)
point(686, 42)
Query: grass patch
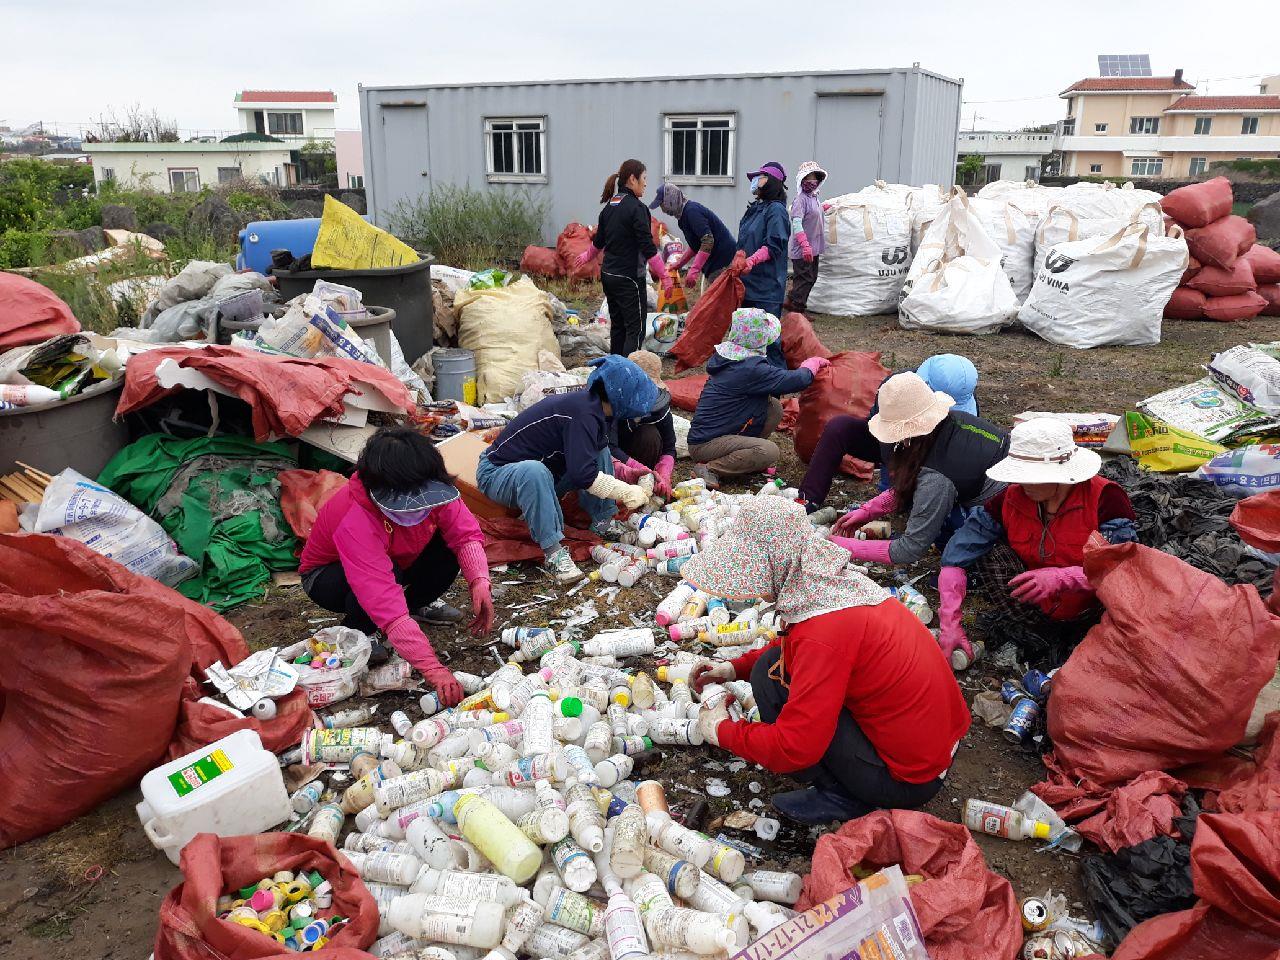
point(471, 229)
point(580, 295)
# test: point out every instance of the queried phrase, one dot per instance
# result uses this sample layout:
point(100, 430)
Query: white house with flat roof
point(1007, 155)
point(291, 115)
point(187, 167)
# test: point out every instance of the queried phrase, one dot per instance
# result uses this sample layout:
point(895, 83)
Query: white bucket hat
point(908, 408)
point(1043, 450)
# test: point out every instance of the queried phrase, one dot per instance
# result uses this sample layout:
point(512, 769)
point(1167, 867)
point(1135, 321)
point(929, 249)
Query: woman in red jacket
point(856, 698)
point(386, 546)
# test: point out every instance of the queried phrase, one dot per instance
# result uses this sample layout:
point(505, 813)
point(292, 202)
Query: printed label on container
point(197, 774)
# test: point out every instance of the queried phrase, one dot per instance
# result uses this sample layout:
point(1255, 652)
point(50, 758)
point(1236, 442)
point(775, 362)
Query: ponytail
point(629, 169)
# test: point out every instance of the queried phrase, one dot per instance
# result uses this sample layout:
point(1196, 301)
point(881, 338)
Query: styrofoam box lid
point(194, 779)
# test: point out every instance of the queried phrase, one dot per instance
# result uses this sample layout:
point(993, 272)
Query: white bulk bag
point(1015, 234)
point(1108, 291)
point(868, 253)
point(1100, 201)
point(924, 205)
point(1029, 197)
point(1061, 225)
point(956, 284)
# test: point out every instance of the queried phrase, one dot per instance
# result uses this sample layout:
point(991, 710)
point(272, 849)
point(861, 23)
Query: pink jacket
point(349, 528)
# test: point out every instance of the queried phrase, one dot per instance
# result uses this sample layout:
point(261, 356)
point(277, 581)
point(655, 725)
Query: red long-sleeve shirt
point(881, 664)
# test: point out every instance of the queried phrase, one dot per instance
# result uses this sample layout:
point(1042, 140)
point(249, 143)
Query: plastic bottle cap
point(1042, 830)
point(571, 707)
point(662, 671)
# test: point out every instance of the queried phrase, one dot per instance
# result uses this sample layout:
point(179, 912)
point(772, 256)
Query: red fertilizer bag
point(303, 493)
point(1193, 267)
point(212, 865)
point(965, 910)
point(848, 386)
point(1265, 263)
point(1243, 306)
point(1270, 292)
point(574, 239)
point(708, 321)
point(1220, 282)
point(686, 391)
point(1185, 304)
point(1222, 242)
point(799, 341)
point(541, 262)
point(1199, 204)
point(30, 312)
point(94, 660)
point(1145, 692)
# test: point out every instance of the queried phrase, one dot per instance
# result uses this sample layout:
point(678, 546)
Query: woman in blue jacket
point(764, 235)
point(708, 242)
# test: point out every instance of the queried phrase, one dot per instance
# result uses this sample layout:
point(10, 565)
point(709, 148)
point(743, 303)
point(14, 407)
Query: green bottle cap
point(571, 707)
point(648, 744)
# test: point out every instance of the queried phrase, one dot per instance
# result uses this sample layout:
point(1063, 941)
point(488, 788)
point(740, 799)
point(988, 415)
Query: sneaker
point(560, 566)
point(707, 476)
point(815, 806)
point(609, 530)
point(439, 613)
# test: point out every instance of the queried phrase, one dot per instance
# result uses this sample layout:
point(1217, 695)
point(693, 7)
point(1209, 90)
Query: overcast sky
point(69, 61)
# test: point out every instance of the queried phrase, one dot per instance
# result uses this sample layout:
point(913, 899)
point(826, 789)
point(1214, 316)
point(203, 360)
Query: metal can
point(1011, 690)
point(1035, 683)
point(1022, 721)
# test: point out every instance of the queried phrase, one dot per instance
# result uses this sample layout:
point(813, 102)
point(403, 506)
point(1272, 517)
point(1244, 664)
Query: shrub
point(470, 228)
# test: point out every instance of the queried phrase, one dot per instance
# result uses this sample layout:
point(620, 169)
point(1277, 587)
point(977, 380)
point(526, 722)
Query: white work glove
point(709, 720)
point(630, 495)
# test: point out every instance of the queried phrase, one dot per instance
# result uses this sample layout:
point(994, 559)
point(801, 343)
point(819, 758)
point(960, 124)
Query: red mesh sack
point(212, 865)
point(1243, 306)
point(1144, 693)
point(1193, 267)
point(30, 312)
point(1270, 292)
point(574, 239)
point(800, 341)
point(708, 321)
point(1185, 304)
point(848, 386)
point(686, 391)
point(303, 493)
point(1265, 263)
point(1220, 282)
point(541, 262)
point(965, 910)
point(1222, 242)
point(90, 684)
point(1199, 204)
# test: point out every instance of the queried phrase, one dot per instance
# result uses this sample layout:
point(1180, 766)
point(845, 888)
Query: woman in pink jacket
point(391, 542)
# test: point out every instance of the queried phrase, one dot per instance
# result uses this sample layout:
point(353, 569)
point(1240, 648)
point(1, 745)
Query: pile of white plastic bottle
point(508, 826)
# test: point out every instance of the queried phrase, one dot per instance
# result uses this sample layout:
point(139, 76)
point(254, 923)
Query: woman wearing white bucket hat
point(937, 459)
point(1026, 545)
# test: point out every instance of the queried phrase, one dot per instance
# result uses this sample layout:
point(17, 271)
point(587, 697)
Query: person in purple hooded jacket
point(388, 545)
point(808, 238)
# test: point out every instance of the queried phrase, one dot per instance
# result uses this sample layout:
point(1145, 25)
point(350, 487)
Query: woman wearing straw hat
point(937, 459)
point(1025, 546)
point(855, 699)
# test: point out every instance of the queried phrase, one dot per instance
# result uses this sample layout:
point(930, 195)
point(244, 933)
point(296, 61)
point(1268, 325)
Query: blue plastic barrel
point(259, 238)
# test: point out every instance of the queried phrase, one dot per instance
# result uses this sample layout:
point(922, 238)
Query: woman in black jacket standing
point(625, 236)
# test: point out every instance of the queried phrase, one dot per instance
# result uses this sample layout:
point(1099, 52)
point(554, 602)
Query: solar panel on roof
point(1124, 64)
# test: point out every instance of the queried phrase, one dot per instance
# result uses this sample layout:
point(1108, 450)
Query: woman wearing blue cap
point(764, 235)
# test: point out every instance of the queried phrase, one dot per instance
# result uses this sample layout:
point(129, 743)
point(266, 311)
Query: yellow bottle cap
point(662, 674)
point(622, 698)
point(501, 717)
point(1042, 830)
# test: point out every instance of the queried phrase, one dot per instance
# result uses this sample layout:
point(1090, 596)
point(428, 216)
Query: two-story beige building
point(1159, 127)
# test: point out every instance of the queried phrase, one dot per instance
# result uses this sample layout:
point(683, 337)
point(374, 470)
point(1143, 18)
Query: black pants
point(642, 443)
point(842, 435)
point(628, 307)
point(850, 761)
point(424, 581)
point(804, 274)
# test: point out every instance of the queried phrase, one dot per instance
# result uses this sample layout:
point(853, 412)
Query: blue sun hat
point(630, 391)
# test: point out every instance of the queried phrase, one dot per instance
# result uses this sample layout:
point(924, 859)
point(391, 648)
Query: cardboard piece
point(461, 452)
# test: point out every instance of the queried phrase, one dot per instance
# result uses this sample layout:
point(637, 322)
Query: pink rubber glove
point(689, 253)
point(815, 365)
point(806, 251)
point(878, 506)
point(406, 636)
point(826, 207)
point(586, 256)
point(482, 607)
point(760, 256)
point(662, 476)
point(629, 471)
point(1047, 583)
point(953, 583)
point(874, 550)
point(695, 268)
point(661, 274)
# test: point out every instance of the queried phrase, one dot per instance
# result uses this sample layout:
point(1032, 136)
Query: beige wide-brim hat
point(908, 408)
point(1043, 450)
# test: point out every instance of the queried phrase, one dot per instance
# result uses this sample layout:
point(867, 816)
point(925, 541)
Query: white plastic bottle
point(629, 839)
point(622, 925)
point(679, 877)
point(572, 910)
point(649, 894)
point(612, 769)
point(774, 885)
point(629, 642)
point(427, 733)
point(476, 923)
point(553, 942)
point(598, 741)
point(725, 862)
point(712, 896)
point(521, 922)
point(433, 847)
point(545, 826)
point(512, 801)
point(538, 716)
point(677, 839)
point(493, 833)
point(459, 885)
point(409, 788)
point(764, 916)
point(669, 608)
point(1000, 821)
point(384, 867)
point(576, 868)
point(699, 932)
point(585, 820)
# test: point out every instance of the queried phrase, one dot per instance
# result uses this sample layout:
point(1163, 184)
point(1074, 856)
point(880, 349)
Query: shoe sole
point(559, 579)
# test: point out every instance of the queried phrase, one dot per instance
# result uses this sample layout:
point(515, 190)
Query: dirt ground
point(93, 888)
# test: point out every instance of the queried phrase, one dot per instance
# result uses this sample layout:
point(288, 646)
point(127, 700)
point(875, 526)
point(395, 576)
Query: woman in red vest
point(1025, 546)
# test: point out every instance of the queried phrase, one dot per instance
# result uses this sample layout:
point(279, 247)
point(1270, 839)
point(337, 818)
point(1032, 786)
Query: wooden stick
point(11, 493)
point(30, 469)
point(35, 479)
point(24, 487)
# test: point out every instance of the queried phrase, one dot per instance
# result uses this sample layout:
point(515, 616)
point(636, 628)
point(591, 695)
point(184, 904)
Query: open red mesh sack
point(1222, 242)
point(30, 312)
point(848, 386)
point(965, 910)
point(574, 239)
point(212, 865)
point(686, 391)
point(800, 341)
point(708, 321)
point(541, 262)
point(303, 493)
point(1199, 204)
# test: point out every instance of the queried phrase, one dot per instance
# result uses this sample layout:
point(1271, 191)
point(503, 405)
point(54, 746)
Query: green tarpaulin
point(219, 498)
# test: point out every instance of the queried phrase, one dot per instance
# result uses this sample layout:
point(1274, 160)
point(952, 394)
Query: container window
point(515, 149)
point(700, 148)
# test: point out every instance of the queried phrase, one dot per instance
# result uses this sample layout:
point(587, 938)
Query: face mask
point(811, 186)
point(406, 518)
